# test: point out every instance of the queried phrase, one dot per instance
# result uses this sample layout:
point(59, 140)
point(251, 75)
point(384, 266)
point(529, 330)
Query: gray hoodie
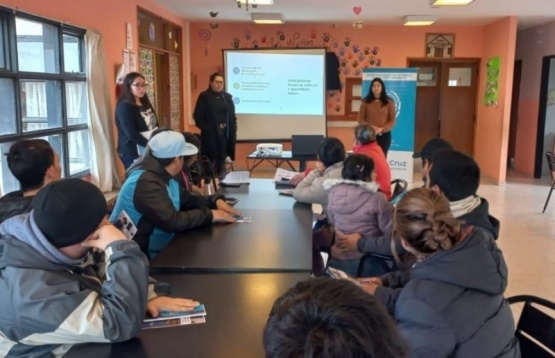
point(50, 302)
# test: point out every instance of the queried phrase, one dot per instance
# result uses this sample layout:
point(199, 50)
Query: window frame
point(11, 72)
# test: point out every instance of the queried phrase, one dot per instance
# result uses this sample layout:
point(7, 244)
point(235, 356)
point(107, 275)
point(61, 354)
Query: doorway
point(446, 101)
point(545, 140)
point(515, 97)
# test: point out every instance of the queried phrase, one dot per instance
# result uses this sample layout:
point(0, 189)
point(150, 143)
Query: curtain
point(104, 172)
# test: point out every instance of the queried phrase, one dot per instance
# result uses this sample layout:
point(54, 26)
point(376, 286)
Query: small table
point(237, 307)
point(278, 160)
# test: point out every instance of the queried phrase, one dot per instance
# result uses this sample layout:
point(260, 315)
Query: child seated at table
point(356, 206)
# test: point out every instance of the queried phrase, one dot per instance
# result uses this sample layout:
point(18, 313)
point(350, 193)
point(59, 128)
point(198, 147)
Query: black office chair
point(372, 265)
point(535, 329)
point(203, 170)
point(399, 189)
point(551, 162)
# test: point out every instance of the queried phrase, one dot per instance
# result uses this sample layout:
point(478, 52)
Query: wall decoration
point(357, 10)
point(128, 36)
point(205, 36)
point(175, 94)
point(493, 67)
point(146, 67)
point(440, 45)
point(151, 32)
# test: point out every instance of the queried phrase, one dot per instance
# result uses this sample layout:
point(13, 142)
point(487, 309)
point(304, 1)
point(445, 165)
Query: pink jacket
point(357, 207)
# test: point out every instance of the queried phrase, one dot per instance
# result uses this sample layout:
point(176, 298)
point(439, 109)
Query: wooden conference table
point(236, 270)
point(277, 240)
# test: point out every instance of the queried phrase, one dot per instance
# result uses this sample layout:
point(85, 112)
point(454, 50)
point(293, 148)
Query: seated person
point(53, 290)
point(189, 170)
point(457, 176)
point(365, 143)
point(155, 202)
point(34, 164)
point(453, 305)
point(331, 154)
point(328, 318)
point(428, 151)
point(355, 205)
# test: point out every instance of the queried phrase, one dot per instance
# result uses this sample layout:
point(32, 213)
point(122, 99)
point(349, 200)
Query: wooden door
point(162, 77)
point(428, 96)
point(458, 104)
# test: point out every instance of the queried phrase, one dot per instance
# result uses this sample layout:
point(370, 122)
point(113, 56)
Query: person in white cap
point(155, 202)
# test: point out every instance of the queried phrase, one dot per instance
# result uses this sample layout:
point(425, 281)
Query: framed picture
point(440, 45)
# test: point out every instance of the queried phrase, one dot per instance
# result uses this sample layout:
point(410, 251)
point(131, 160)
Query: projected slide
point(280, 84)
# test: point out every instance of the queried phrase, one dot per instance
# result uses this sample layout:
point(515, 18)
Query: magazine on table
point(198, 311)
point(283, 177)
point(174, 322)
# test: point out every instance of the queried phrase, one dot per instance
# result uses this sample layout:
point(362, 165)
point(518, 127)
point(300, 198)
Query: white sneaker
point(228, 160)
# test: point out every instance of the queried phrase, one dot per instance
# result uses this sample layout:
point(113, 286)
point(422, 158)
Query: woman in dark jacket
point(215, 117)
point(135, 118)
point(453, 305)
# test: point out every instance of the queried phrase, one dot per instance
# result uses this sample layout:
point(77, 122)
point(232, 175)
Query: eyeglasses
point(139, 85)
point(219, 82)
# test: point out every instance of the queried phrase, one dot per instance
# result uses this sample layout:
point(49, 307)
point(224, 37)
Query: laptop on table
point(305, 145)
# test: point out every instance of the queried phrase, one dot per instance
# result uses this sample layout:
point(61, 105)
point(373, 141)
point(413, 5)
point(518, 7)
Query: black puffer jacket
point(453, 306)
point(13, 204)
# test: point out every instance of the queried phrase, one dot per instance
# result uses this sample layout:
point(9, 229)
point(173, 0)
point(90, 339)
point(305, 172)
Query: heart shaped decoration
point(357, 10)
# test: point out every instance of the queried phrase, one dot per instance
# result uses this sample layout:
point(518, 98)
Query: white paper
point(125, 225)
point(126, 60)
point(240, 177)
point(132, 64)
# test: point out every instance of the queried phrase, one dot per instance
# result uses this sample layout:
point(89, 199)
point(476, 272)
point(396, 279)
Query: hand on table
point(374, 280)
point(296, 179)
point(222, 205)
point(163, 303)
point(220, 216)
point(367, 286)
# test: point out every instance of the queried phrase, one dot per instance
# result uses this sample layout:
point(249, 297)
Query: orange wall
point(492, 125)
point(532, 45)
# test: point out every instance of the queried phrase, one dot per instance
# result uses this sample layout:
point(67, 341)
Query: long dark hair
point(383, 95)
point(126, 93)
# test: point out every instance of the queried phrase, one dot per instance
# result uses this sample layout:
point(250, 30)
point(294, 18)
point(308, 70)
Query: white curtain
point(103, 153)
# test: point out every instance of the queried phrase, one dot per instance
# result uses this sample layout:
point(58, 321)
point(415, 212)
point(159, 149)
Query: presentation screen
point(277, 92)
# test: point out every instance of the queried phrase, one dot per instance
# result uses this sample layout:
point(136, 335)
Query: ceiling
point(381, 12)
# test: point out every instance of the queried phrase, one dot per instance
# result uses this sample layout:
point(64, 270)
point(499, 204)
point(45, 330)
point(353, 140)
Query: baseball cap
point(170, 144)
point(431, 147)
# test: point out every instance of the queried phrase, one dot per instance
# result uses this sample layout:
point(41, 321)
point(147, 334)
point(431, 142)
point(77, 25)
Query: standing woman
point(215, 117)
point(378, 111)
point(135, 118)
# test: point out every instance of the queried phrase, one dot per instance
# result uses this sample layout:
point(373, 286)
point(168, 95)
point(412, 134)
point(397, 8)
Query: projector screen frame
point(269, 49)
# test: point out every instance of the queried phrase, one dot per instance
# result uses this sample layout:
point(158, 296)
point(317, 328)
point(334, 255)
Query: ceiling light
point(419, 20)
point(256, 2)
point(450, 2)
point(267, 18)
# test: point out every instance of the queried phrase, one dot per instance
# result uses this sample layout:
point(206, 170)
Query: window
point(43, 91)
point(353, 95)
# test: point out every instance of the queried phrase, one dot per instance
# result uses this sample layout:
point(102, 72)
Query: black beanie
point(68, 211)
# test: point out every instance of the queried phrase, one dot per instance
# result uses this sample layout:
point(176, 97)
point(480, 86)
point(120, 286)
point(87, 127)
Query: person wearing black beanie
point(64, 294)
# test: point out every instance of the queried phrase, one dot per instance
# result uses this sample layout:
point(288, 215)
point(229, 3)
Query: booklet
point(125, 225)
point(286, 192)
point(241, 177)
point(283, 177)
point(173, 322)
point(198, 311)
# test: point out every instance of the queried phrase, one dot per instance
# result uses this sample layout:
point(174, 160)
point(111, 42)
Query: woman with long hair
point(135, 118)
point(378, 110)
point(453, 304)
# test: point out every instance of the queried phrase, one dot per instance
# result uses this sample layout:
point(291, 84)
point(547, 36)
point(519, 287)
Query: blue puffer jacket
point(453, 305)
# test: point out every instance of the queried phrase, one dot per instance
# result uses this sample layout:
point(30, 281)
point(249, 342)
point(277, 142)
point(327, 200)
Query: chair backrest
point(551, 162)
point(399, 189)
point(206, 172)
point(536, 324)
